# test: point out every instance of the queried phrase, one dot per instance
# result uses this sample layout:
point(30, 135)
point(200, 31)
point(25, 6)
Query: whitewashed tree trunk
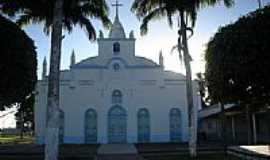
point(189, 89)
point(254, 128)
point(52, 119)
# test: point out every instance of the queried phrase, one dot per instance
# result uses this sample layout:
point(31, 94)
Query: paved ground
point(117, 149)
point(261, 152)
point(118, 152)
point(253, 149)
point(260, 149)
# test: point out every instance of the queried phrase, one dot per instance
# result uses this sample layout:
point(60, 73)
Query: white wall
point(141, 88)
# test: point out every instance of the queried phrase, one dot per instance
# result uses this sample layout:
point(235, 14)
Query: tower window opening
point(116, 47)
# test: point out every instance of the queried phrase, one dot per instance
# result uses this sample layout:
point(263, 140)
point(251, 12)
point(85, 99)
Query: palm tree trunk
point(52, 119)
point(189, 89)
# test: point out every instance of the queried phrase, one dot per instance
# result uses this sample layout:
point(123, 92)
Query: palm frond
point(154, 14)
point(180, 53)
point(84, 22)
point(191, 32)
point(173, 49)
point(24, 20)
point(74, 12)
point(144, 8)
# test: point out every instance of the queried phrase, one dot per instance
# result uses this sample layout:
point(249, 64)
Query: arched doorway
point(143, 125)
point(117, 125)
point(90, 126)
point(175, 125)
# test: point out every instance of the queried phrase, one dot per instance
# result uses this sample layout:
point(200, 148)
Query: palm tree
point(56, 15)
point(186, 11)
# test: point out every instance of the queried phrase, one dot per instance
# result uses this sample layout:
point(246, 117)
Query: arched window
point(116, 47)
point(116, 96)
point(90, 126)
point(143, 125)
point(175, 125)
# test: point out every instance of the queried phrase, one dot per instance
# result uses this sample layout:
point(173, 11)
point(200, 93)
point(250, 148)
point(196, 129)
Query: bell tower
point(117, 44)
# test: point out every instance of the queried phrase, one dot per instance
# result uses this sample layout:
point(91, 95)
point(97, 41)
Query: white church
point(117, 97)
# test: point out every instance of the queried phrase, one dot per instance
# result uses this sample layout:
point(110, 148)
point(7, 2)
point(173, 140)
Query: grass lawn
point(20, 151)
point(14, 139)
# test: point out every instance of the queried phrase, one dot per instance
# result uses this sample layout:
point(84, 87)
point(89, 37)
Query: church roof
point(174, 75)
point(97, 62)
point(145, 62)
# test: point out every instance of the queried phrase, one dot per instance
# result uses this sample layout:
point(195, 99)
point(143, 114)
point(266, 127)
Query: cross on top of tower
point(116, 5)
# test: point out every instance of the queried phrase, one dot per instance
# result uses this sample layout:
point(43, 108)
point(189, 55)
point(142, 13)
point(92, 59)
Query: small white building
point(117, 97)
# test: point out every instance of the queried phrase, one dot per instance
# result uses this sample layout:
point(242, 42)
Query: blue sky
point(159, 37)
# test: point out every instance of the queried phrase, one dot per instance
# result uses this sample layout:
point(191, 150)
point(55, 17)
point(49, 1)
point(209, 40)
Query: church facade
point(117, 97)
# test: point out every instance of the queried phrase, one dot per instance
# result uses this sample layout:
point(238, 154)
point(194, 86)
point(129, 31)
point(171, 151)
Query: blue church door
point(175, 125)
point(117, 125)
point(90, 125)
point(143, 126)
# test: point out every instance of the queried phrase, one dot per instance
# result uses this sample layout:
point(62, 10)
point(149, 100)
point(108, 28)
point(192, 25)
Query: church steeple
point(161, 61)
point(44, 69)
point(72, 58)
point(116, 5)
point(117, 30)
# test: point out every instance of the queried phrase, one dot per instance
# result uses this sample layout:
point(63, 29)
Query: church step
point(120, 157)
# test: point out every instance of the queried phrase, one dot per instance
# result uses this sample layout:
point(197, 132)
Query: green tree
point(202, 89)
point(237, 63)
point(18, 64)
point(186, 11)
point(56, 15)
point(25, 115)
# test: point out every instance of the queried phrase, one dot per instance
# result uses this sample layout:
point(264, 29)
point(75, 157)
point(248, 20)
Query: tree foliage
point(25, 114)
point(237, 61)
point(18, 64)
point(202, 89)
point(75, 12)
point(150, 10)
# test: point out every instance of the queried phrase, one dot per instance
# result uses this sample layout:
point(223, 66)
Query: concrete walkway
point(261, 152)
point(117, 149)
point(118, 152)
